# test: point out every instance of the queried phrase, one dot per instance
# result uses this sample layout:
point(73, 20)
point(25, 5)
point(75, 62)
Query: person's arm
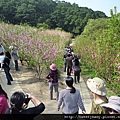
point(39, 106)
point(48, 76)
point(35, 100)
point(81, 105)
point(3, 48)
point(1, 106)
point(60, 100)
point(17, 54)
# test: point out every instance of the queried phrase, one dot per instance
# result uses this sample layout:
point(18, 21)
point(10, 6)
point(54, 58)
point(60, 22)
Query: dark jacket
point(69, 62)
point(29, 114)
point(54, 75)
point(6, 63)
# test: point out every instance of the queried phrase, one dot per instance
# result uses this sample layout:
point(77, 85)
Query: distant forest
point(48, 14)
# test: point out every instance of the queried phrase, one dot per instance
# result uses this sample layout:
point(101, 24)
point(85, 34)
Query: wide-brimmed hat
point(97, 85)
point(113, 103)
point(53, 66)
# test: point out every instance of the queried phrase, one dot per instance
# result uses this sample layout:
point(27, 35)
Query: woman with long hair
point(3, 101)
point(71, 99)
point(77, 69)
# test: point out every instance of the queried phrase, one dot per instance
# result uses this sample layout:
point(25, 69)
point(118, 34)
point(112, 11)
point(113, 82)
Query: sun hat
point(53, 66)
point(113, 103)
point(97, 85)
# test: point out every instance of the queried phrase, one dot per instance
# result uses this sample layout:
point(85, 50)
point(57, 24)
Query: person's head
point(69, 83)
point(7, 54)
point(68, 55)
point(76, 61)
point(17, 102)
point(97, 86)
point(113, 105)
point(3, 92)
point(11, 47)
point(53, 67)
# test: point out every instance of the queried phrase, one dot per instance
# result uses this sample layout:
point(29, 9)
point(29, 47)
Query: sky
point(98, 5)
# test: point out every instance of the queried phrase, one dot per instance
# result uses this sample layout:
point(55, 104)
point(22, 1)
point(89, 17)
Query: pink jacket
point(3, 104)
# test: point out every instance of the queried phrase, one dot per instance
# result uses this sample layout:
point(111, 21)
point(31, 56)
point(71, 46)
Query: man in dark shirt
point(18, 105)
point(69, 64)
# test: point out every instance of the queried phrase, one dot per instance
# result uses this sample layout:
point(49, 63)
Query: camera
point(27, 99)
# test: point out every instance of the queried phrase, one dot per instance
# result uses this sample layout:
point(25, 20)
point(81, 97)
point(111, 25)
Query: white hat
point(97, 85)
point(113, 103)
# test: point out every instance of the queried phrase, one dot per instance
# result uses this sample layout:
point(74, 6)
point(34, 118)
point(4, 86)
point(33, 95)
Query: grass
point(91, 74)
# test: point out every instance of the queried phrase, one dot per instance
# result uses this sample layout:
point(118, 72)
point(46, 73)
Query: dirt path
point(30, 84)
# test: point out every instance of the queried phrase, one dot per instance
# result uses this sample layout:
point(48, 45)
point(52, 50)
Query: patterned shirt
point(97, 109)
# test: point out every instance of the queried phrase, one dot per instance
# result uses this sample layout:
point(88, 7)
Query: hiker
point(19, 102)
point(113, 105)
point(70, 99)
point(76, 69)
point(6, 67)
point(98, 89)
point(1, 55)
point(52, 76)
point(64, 57)
point(69, 64)
point(3, 101)
point(2, 50)
point(15, 56)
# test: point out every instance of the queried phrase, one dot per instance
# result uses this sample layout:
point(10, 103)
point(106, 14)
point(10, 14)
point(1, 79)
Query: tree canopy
point(56, 14)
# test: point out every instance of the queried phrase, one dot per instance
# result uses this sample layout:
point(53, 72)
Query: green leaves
point(99, 48)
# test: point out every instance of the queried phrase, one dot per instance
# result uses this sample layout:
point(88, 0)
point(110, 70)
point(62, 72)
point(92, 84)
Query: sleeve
point(1, 105)
point(3, 48)
point(60, 100)
point(48, 76)
point(73, 64)
point(17, 54)
point(35, 110)
point(80, 103)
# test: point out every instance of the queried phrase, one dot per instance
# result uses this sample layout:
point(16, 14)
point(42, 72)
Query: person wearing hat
point(71, 99)
point(52, 76)
point(113, 105)
point(15, 56)
point(98, 89)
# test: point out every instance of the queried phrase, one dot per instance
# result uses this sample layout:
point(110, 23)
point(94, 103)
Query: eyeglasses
point(111, 110)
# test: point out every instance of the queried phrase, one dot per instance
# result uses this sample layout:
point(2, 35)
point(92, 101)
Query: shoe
point(8, 83)
point(11, 80)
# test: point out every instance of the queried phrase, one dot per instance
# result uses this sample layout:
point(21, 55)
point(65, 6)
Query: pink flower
point(118, 67)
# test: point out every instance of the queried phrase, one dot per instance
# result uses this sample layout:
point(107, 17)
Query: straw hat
point(113, 103)
point(53, 66)
point(97, 85)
